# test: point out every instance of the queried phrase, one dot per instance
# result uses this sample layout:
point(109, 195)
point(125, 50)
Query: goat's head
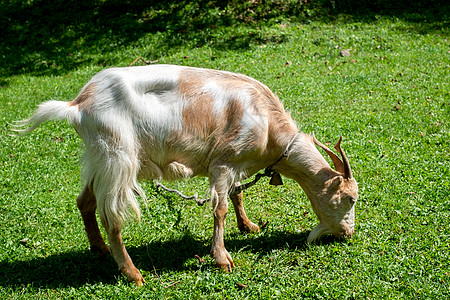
point(334, 201)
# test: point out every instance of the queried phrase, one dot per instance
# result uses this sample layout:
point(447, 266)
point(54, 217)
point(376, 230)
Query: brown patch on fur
point(85, 99)
point(216, 135)
point(281, 127)
point(197, 116)
point(231, 121)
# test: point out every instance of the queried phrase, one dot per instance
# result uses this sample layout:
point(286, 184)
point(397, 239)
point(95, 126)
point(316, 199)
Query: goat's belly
point(173, 170)
point(176, 170)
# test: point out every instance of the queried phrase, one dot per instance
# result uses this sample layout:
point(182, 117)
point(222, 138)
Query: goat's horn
point(347, 170)
point(338, 165)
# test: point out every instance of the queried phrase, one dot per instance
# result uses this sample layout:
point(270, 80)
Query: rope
point(268, 172)
point(200, 202)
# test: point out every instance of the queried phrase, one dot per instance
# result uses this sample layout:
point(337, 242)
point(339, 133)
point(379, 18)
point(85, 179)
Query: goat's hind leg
point(244, 224)
point(114, 188)
point(87, 205)
point(123, 260)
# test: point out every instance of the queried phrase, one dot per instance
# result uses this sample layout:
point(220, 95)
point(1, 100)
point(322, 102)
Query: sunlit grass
point(390, 101)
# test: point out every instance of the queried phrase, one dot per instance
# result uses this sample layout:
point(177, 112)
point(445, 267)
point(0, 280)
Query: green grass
point(389, 99)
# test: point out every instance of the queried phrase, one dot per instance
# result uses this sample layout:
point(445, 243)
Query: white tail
point(50, 110)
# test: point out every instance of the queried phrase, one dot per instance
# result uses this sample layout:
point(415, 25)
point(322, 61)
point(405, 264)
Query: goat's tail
point(50, 110)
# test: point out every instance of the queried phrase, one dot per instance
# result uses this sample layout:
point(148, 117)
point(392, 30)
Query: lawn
point(387, 95)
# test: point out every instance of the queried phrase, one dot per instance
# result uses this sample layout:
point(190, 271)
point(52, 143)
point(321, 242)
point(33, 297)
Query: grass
point(389, 99)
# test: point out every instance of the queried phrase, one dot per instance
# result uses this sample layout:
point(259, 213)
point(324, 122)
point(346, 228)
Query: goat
point(170, 122)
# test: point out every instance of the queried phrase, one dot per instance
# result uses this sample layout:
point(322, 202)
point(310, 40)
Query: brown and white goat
point(170, 122)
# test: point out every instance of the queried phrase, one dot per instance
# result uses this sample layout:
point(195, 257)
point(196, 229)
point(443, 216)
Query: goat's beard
point(317, 232)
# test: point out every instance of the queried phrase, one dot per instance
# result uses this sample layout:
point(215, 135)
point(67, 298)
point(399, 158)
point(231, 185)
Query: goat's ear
point(334, 183)
point(337, 181)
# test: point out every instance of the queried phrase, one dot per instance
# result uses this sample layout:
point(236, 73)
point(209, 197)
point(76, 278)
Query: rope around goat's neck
point(268, 172)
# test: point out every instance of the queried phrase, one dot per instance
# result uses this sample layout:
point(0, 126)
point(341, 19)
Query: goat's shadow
point(80, 267)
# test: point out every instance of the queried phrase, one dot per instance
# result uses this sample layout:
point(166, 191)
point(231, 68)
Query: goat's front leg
point(122, 258)
point(87, 205)
point(221, 256)
point(244, 224)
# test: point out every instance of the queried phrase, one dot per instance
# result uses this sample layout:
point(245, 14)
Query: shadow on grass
point(83, 267)
point(49, 37)
point(44, 37)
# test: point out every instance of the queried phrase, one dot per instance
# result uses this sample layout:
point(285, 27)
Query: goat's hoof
point(249, 228)
point(140, 282)
point(227, 268)
point(133, 275)
point(226, 265)
point(101, 251)
point(222, 259)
